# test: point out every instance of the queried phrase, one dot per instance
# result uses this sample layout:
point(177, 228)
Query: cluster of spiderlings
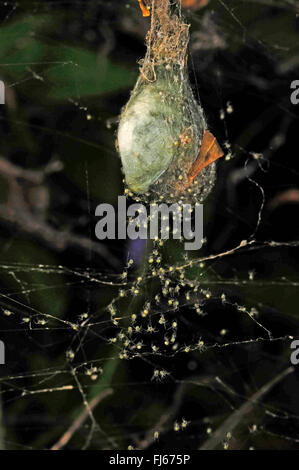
point(150, 325)
point(151, 304)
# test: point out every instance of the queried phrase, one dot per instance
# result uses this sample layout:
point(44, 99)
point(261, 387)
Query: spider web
point(142, 345)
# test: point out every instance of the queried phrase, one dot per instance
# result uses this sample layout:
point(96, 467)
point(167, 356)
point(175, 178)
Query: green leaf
point(71, 72)
point(86, 74)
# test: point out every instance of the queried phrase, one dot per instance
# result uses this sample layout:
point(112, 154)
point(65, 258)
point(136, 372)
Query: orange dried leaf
point(194, 4)
point(144, 8)
point(210, 151)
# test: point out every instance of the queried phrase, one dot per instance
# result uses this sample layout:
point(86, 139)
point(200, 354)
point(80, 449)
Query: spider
point(145, 7)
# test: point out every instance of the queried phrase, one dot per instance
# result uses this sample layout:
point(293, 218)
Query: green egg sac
point(145, 138)
point(162, 125)
point(152, 125)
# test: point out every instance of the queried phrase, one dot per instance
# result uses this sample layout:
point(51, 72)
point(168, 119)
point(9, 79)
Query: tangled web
point(143, 345)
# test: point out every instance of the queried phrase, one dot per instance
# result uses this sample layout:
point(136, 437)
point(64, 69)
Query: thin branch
point(234, 419)
point(66, 437)
point(33, 176)
point(165, 418)
point(18, 212)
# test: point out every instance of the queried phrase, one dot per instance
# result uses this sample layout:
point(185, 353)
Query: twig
point(33, 176)
point(18, 212)
point(65, 438)
point(166, 417)
point(234, 419)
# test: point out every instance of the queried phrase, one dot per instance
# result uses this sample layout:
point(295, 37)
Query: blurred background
point(68, 69)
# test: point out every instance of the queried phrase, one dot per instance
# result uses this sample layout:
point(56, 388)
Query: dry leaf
point(194, 4)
